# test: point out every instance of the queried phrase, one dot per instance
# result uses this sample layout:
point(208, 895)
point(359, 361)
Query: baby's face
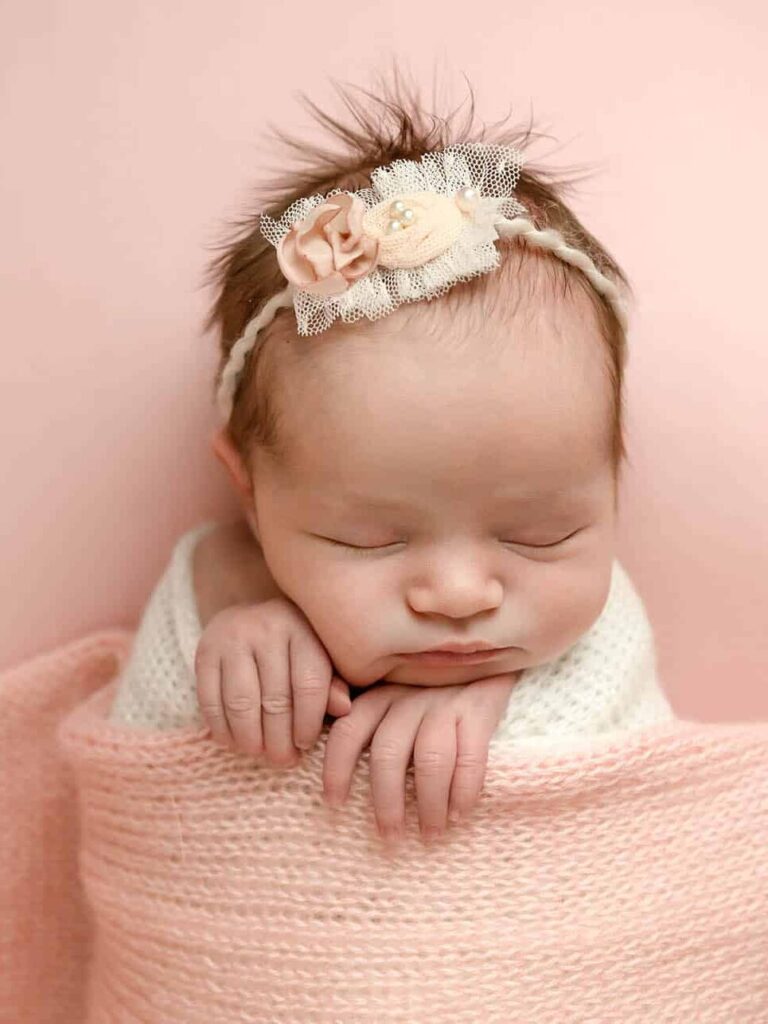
point(441, 492)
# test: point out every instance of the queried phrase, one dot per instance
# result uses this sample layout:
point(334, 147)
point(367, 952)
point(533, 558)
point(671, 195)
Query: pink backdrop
point(131, 131)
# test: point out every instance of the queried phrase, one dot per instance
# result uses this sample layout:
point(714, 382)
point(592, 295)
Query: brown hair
point(389, 124)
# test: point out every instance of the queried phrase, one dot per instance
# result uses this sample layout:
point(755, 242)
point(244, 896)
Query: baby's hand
point(265, 681)
point(447, 729)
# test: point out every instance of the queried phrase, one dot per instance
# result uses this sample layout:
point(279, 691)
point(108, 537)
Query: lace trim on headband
point(465, 253)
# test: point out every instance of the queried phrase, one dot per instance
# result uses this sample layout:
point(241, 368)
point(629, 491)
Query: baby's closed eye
point(559, 539)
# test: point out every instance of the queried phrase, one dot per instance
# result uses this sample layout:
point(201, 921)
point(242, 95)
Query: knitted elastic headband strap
point(421, 228)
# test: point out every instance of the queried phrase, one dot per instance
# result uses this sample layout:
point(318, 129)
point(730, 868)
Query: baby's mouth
point(440, 657)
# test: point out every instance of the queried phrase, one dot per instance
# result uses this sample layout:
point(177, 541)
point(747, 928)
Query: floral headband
point(421, 228)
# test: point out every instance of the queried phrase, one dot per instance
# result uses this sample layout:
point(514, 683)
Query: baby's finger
point(276, 706)
point(472, 741)
point(339, 701)
point(242, 704)
point(391, 751)
point(434, 760)
point(310, 676)
point(208, 685)
point(347, 738)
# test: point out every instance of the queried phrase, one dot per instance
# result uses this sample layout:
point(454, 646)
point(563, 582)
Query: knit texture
point(45, 932)
point(606, 680)
point(157, 685)
point(629, 884)
point(622, 884)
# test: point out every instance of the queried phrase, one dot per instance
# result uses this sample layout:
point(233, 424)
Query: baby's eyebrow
point(366, 503)
point(523, 499)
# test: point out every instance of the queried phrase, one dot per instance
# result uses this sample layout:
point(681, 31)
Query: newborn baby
point(424, 430)
point(437, 479)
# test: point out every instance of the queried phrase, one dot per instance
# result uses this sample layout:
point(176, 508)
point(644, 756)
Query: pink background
point(132, 131)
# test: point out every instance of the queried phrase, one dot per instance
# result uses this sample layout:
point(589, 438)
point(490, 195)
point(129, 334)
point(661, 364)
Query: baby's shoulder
point(212, 565)
point(228, 568)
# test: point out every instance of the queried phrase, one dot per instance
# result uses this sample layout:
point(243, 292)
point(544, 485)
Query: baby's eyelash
point(383, 547)
point(554, 544)
point(357, 547)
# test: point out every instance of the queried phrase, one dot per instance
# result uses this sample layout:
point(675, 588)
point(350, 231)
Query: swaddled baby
point(423, 422)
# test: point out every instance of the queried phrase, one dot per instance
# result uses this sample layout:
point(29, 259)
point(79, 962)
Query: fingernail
point(332, 800)
point(454, 816)
point(390, 834)
point(429, 835)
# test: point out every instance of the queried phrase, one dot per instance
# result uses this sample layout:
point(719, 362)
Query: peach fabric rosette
point(422, 227)
point(435, 223)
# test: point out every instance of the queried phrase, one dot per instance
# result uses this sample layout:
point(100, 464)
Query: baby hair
point(390, 124)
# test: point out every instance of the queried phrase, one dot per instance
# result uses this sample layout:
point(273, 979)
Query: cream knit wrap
point(606, 680)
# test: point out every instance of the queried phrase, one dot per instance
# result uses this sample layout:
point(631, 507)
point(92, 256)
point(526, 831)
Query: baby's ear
point(225, 451)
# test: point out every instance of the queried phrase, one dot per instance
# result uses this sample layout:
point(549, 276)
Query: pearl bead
point(466, 198)
point(407, 216)
point(393, 226)
point(397, 208)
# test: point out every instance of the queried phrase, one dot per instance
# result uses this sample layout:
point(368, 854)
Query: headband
point(422, 227)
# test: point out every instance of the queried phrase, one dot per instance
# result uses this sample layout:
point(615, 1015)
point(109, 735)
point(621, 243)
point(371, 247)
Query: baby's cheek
point(347, 637)
point(353, 665)
point(567, 609)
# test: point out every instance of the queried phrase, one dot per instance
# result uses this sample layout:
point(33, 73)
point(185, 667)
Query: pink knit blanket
point(623, 884)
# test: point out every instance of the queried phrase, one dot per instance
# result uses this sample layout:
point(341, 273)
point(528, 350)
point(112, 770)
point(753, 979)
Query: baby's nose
point(456, 599)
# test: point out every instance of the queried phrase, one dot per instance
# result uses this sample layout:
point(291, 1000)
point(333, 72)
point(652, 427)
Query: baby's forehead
point(536, 378)
point(404, 409)
point(393, 477)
